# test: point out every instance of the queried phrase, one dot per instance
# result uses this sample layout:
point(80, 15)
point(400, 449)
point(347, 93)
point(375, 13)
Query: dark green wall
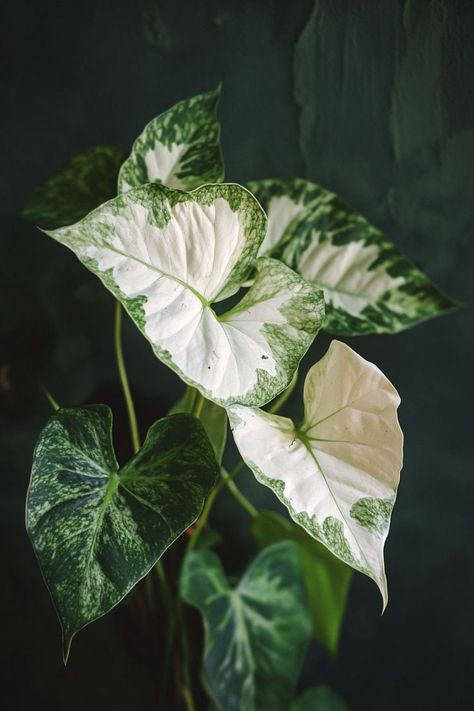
point(373, 100)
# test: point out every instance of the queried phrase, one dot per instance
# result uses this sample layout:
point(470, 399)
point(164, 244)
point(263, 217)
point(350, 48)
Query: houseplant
point(174, 242)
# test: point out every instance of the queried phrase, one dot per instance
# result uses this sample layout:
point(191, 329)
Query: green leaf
point(256, 633)
point(168, 255)
point(96, 529)
point(339, 471)
point(212, 416)
point(327, 578)
point(84, 183)
point(319, 698)
point(369, 286)
point(179, 148)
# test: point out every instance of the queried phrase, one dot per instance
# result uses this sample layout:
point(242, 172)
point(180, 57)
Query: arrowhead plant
point(172, 242)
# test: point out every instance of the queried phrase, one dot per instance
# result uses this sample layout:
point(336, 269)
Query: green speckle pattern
point(370, 287)
point(373, 514)
point(256, 634)
point(330, 532)
point(85, 182)
point(97, 530)
point(127, 244)
point(179, 148)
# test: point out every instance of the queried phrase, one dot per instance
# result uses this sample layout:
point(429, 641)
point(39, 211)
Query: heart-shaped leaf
point(96, 529)
point(179, 148)
point(256, 633)
point(338, 473)
point(85, 182)
point(327, 578)
point(369, 286)
point(168, 255)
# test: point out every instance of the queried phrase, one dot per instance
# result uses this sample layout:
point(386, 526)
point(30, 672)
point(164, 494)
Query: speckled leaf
point(338, 472)
point(168, 255)
point(84, 183)
point(96, 529)
point(327, 578)
point(212, 416)
point(179, 148)
point(319, 698)
point(369, 286)
point(256, 633)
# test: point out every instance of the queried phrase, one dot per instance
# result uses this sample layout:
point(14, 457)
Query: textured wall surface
point(372, 100)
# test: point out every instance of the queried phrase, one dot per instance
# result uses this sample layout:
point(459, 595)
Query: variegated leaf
point(338, 472)
point(96, 529)
point(212, 416)
point(179, 148)
point(168, 255)
point(327, 578)
point(256, 633)
point(85, 182)
point(369, 286)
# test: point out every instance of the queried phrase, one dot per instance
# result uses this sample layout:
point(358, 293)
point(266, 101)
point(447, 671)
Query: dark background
point(371, 99)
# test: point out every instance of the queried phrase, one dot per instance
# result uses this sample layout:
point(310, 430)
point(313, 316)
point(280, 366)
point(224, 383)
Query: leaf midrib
point(163, 273)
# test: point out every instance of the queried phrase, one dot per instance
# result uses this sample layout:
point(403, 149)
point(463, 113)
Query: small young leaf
point(168, 255)
point(98, 530)
point(369, 286)
point(212, 416)
point(327, 578)
point(319, 698)
point(84, 183)
point(338, 473)
point(256, 633)
point(179, 148)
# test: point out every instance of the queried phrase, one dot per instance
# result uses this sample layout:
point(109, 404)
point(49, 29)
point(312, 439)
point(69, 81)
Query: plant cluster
point(171, 243)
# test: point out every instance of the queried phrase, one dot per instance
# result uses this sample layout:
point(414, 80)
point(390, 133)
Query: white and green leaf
point(168, 255)
point(179, 148)
point(339, 471)
point(369, 286)
point(327, 578)
point(97, 529)
point(256, 633)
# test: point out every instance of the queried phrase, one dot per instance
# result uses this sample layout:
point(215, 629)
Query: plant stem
point(132, 417)
point(186, 685)
point(198, 404)
point(51, 400)
point(238, 495)
point(210, 502)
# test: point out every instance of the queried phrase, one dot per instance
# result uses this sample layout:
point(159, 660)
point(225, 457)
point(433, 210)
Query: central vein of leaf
point(167, 275)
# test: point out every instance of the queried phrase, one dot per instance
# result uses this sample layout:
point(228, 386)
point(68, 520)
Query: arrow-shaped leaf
point(338, 472)
point(369, 286)
point(96, 529)
point(256, 633)
point(168, 256)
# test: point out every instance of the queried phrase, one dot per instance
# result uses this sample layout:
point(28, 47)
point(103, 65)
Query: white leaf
point(338, 473)
point(168, 255)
